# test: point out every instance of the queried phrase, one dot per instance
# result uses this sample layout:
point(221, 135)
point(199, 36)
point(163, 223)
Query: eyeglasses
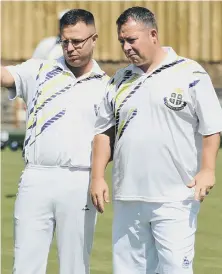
point(75, 42)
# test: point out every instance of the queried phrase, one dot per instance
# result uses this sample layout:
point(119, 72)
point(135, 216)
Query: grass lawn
point(208, 258)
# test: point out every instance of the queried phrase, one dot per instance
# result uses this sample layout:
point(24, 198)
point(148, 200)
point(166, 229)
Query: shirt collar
point(170, 58)
point(96, 70)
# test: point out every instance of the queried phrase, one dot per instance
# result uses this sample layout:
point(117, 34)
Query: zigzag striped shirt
point(159, 120)
point(61, 111)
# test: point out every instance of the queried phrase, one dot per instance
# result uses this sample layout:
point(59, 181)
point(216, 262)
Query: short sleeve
point(208, 109)
point(25, 79)
point(105, 118)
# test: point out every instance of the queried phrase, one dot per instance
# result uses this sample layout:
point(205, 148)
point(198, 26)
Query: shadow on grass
point(10, 195)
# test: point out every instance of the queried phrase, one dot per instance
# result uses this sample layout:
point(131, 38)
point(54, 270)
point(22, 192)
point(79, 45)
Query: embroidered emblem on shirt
point(186, 263)
point(175, 101)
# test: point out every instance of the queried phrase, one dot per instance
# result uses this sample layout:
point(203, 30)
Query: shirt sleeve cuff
point(101, 130)
point(15, 91)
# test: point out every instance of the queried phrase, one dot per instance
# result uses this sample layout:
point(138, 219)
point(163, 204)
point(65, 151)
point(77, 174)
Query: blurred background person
point(50, 48)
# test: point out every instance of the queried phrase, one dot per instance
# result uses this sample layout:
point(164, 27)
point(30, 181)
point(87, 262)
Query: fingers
point(201, 193)
point(208, 189)
point(94, 200)
point(197, 194)
point(106, 195)
point(100, 205)
point(97, 200)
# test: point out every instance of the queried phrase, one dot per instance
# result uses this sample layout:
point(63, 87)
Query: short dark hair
point(74, 16)
point(138, 14)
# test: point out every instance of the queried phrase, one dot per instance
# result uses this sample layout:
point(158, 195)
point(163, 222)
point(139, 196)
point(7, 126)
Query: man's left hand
point(203, 182)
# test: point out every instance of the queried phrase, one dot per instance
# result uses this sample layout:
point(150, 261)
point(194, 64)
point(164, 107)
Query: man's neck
point(157, 59)
point(80, 71)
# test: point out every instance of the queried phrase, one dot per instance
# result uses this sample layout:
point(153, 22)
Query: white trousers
point(53, 199)
point(150, 238)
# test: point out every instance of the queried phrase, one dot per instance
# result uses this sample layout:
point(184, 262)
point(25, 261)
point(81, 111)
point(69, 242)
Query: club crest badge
point(175, 101)
point(186, 263)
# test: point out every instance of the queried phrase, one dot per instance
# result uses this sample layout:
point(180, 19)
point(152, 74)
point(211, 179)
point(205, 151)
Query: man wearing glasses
point(62, 98)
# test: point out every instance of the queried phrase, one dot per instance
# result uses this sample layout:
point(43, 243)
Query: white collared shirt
point(61, 111)
point(160, 119)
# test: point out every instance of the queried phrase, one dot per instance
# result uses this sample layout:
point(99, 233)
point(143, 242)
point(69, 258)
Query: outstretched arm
point(7, 79)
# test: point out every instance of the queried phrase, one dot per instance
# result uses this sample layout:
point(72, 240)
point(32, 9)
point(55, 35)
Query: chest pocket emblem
point(175, 101)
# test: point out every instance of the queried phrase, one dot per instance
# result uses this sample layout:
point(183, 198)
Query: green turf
point(208, 258)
